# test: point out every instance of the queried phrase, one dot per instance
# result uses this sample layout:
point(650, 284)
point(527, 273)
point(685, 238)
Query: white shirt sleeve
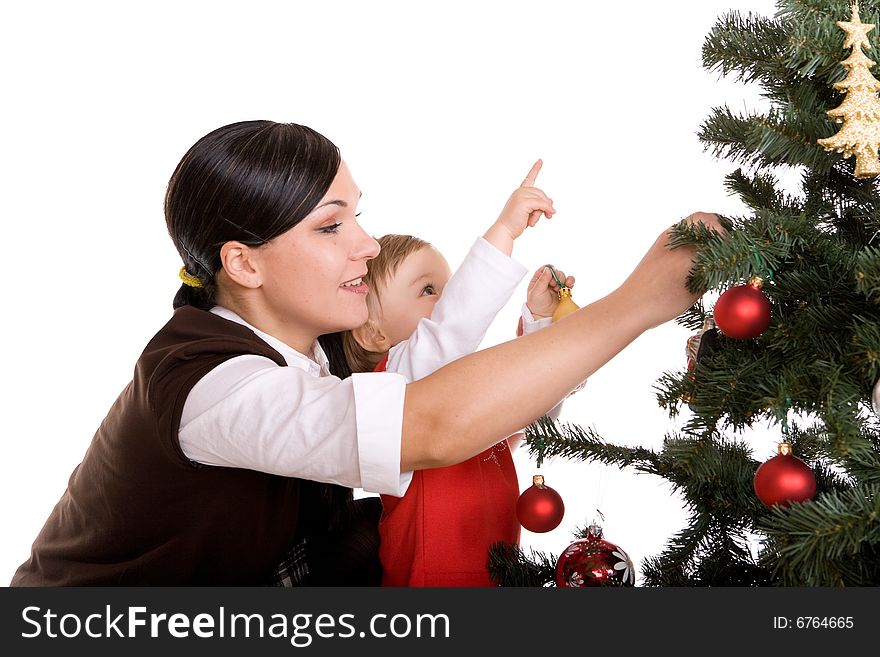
point(530, 323)
point(473, 296)
point(251, 413)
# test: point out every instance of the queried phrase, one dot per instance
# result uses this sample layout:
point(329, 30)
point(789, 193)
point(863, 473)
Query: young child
point(420, 318)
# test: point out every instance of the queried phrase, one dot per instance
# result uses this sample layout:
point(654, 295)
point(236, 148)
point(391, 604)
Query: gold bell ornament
point(566, 304)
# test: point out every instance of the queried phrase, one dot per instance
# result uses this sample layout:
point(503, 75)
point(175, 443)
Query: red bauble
point(593, 561)
point(784, 479)
point(743, 312)
point(539, 508)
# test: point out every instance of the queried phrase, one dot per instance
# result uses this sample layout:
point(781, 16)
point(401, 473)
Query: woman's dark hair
point(248, 181)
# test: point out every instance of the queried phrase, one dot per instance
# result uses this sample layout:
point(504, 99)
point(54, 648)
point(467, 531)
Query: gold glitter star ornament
point(860, 110)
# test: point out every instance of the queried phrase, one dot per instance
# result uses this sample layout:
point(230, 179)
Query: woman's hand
point(657, 287)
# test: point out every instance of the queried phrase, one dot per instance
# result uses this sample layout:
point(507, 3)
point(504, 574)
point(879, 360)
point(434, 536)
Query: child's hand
point(542, 296)
point(524, 208)
point(526, 205)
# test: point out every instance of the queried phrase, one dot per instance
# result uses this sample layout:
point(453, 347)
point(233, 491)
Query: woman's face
point(312, 273)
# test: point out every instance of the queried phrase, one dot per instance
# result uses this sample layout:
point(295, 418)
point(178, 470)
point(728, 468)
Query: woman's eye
point(328, 230)
point(428, 290)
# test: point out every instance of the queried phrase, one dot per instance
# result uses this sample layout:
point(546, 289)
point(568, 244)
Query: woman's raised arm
point(475, 401)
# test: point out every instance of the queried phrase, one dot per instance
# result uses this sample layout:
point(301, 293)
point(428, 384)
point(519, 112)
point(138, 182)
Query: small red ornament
point(593, 561)
point(539, 508)
point(784, 479)
point(743, 312)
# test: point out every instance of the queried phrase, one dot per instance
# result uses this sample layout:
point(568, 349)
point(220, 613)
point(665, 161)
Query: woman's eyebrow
point(339, 202)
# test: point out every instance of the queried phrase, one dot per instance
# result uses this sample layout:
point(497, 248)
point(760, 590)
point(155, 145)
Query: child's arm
point(477, 291)
point(541, 300)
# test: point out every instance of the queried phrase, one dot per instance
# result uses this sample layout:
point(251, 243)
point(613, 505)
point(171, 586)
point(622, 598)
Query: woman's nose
point(366, 247)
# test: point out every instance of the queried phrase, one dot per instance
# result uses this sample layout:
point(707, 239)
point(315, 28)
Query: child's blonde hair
point(394, 250)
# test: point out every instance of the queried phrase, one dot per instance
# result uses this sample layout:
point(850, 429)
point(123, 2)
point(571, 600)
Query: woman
point(233, 448)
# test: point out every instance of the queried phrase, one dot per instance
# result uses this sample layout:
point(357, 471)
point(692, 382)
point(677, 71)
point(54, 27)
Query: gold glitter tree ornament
point(860, 110)
point(566, 304)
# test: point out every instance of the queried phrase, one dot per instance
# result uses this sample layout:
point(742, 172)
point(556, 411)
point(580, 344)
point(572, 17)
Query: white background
point(439, 109)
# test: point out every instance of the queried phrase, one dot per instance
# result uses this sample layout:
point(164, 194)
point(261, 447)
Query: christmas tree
point(811, 371)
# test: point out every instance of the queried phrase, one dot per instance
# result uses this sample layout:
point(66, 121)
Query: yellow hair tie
point(189, 279)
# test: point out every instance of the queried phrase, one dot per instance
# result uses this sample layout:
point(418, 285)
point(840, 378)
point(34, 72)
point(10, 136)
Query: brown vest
point(138, 512)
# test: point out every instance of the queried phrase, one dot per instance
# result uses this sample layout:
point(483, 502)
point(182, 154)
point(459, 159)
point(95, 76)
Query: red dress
point(440, 531)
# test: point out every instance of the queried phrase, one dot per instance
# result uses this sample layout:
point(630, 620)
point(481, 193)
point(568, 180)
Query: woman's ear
point(238, 262)
point(370, 337)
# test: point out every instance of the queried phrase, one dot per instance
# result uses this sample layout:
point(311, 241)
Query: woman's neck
point(295, 337)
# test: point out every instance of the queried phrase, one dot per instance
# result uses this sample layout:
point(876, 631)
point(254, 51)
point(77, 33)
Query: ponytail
point(198, 297)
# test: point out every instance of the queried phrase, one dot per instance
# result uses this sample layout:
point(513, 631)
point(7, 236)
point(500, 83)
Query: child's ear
point(370, 337)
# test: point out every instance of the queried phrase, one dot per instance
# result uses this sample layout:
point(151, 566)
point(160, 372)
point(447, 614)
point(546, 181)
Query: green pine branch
point(868, 278)
point(750, 48)
point(510, 566)
point(693, 317)
point(831, 540)
point(726, 562)
point(758, 191)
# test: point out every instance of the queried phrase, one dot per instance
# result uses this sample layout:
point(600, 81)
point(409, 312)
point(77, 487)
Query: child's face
point(411, 292)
